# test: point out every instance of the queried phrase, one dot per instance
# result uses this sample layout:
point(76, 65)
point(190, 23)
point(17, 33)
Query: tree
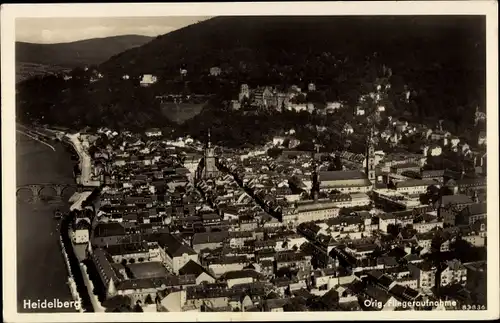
point(437, 241)
point(118, 303)
point(394, 229)
point(274, 152)
point(284, 272)
point(138, 307)
point(148, 300)
point(424, 199)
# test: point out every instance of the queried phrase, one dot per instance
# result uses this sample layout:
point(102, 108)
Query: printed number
point(473, 307)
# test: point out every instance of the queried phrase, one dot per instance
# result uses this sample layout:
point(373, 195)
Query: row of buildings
point(184, 227)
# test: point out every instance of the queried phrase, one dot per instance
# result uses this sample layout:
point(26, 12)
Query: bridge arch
point(24, 193)
point(69, 188)
point(47, 189)
point(38, 190)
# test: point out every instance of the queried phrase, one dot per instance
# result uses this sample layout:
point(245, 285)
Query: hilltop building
point(264, 97)
point(148, 79)
point(479, 116)
point(215, 71)
point(244, 92)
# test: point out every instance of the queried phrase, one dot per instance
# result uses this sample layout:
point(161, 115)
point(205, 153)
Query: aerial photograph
point(251, 164)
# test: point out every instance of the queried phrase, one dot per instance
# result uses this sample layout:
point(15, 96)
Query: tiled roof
point(455, 199)
point(127, 248)
point(406, 165)
point(210, 237)
point(172, 246)
point(242, 274)
point(106, 271)
point(377, 293)
point(476, 209)
point(109, 229)
point(416, 182)
point(193, 268)
point(341, 175)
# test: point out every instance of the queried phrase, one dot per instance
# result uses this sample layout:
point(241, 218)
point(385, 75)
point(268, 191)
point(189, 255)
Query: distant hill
point(258, 42)
point(34, 59)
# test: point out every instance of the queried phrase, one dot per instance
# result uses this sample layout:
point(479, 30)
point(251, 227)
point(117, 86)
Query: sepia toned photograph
point(199, 162)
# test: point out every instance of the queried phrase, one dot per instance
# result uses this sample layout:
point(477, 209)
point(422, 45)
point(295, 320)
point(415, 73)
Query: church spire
point(209, 165)
point(315, 175)
point(370, 156)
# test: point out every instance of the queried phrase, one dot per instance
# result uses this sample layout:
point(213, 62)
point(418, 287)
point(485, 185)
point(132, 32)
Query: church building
point(352, 181)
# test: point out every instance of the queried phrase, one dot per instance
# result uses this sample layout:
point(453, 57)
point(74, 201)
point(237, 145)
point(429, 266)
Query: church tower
point(475, 197)
point(370, 158)
point(209, 167)
point(315, 177)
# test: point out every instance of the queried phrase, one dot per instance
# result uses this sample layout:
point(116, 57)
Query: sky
point(63, 30)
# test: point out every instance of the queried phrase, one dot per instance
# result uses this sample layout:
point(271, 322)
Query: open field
point(148, 270)
point(27, 70)
point(181, 112)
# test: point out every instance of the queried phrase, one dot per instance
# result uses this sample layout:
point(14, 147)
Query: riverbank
point(75, 275)
point(36, 139)
point(85, 161)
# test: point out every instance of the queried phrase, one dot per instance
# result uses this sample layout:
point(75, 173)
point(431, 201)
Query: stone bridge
point(36, 189)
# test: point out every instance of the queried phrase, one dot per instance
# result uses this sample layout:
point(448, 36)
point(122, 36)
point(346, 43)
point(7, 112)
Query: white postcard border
point(10, 12)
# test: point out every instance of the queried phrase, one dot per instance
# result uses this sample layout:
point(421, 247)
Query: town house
point(210, 295)
point(130, 252)
point(293, 260)
point(201, 274)
point(425, 273)
point(222, 265)
point(427, 223)
point(406, 167)
point(209, 240)
point(307, 211)
point(472, 213)
point(454, 273)
point(173, 253)
point(414, 186)
point(244, 276)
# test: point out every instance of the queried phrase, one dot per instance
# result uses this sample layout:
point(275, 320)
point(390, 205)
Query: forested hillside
point(441, 59)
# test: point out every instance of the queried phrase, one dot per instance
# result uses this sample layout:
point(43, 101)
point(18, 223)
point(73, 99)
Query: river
point(41, 271)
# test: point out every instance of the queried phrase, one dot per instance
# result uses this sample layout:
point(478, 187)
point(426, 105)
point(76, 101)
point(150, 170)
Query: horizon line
point(86, 39)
